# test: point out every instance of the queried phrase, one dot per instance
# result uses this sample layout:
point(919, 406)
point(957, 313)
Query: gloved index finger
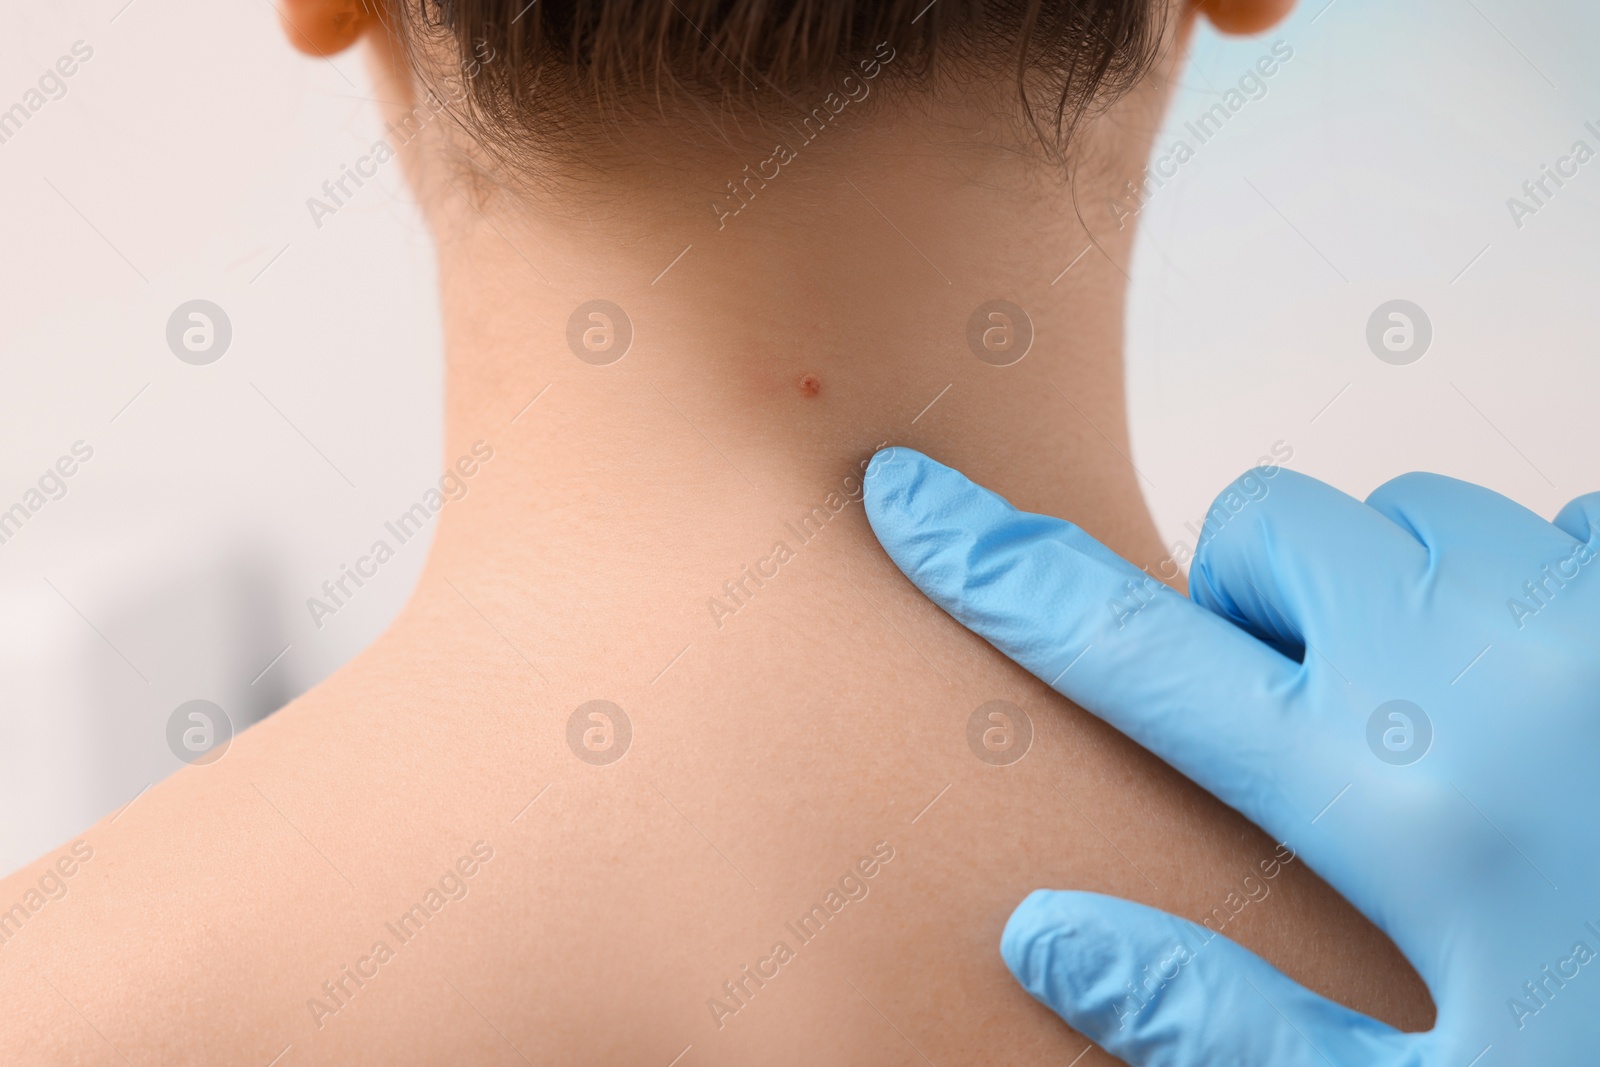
point(1206, 697)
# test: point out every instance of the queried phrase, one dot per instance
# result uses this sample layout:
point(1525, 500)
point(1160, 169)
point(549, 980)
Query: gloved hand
point(1406, 692)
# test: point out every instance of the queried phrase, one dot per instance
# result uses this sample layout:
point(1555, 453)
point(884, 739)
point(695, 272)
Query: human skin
point(773, 747)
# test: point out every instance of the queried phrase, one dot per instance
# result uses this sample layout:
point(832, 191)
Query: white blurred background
point(1377, 166)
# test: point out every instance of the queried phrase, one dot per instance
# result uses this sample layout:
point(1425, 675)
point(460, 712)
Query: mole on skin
point(809, 385)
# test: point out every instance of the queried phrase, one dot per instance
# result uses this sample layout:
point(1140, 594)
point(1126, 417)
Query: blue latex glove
point(1465, 823)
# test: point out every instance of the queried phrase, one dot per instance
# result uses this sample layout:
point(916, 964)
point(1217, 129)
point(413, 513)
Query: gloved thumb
point(1160, 991)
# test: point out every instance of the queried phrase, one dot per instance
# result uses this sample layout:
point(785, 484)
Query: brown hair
point(533, 70)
